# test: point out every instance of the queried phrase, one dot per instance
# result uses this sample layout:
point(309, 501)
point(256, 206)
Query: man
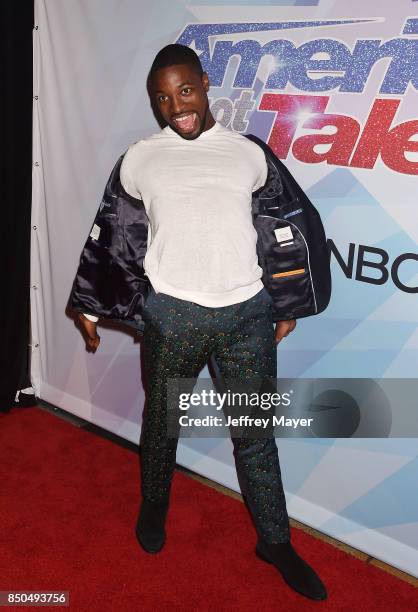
point(195, 180)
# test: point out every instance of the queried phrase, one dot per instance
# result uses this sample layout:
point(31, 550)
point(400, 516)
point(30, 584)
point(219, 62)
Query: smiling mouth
point(186, 122)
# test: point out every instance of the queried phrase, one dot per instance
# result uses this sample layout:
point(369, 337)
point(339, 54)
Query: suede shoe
point(150, 530)
point(295, 571)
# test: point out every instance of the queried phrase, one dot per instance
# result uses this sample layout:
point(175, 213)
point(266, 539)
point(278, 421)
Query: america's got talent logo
point(314, 68)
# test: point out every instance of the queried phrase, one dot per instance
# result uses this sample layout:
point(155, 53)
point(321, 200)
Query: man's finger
point(89, 331)
point(279, 333)
point(93, 343)
point(283, 329)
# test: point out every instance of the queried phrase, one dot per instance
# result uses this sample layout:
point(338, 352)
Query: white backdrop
point(91, 59)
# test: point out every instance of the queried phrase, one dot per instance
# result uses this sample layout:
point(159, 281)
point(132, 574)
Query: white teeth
point(181, 119)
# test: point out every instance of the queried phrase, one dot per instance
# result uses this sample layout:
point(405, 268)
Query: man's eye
point(186, 90)
point(161, 98)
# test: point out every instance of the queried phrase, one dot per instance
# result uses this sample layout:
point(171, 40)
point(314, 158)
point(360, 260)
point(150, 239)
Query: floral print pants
point(179, 339)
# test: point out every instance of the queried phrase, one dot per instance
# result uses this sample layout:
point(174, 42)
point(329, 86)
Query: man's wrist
point(91, 318)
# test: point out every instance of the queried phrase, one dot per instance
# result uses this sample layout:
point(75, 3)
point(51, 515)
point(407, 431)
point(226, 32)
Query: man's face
point(180, 94)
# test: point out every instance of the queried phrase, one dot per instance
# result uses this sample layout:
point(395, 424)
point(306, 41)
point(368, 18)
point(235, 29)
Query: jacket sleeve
point(110, 280)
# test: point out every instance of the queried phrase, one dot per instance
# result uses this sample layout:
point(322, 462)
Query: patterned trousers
point(179, 338)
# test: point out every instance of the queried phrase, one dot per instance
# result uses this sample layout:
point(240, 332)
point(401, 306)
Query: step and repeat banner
point(333, 88)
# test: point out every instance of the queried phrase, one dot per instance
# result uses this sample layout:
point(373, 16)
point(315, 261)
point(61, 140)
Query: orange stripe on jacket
point(288, 273)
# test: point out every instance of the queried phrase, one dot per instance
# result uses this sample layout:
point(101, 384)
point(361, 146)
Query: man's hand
point(283, 328)
point(89, 331)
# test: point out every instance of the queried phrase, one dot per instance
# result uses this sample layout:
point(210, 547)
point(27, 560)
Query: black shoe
point(150, 530)
point(295, 571)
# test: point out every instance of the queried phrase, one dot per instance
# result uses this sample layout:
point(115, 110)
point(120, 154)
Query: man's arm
point(88, 324)
point(108, 262)
point(283, 329)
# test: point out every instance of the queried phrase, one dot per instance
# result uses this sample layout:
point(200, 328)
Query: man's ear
point(205, 81)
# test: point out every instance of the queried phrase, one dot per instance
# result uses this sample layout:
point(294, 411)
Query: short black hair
point(172, 55)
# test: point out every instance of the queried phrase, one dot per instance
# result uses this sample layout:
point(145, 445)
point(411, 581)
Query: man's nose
point(177, 106)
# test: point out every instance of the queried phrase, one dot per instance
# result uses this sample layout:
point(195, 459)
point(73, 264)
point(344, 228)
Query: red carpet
point(68, 508)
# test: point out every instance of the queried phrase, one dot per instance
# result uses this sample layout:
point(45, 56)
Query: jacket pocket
point(285, 263)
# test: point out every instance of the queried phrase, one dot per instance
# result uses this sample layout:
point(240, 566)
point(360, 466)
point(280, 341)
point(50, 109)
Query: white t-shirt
point(197, 195)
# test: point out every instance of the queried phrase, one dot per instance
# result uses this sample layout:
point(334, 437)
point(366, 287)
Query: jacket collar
point(267, 196)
